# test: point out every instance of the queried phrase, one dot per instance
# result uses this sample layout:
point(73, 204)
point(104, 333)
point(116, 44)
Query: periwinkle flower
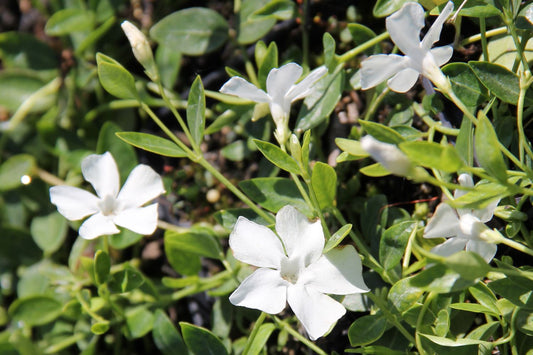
point(419, 58)
point(292, 269)
point(110, 208)
point(464, 228)
point(282, 91)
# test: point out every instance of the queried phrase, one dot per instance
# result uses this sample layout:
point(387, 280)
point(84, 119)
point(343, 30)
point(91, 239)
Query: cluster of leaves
point(61, 293)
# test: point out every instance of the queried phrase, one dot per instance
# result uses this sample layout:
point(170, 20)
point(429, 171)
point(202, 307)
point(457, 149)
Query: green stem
point(65, 343)
point(361, 48)
point(253, 334)
point(515, 245)
point(483, 30)
point(523, 142)
point(408, 249)
point(419, 320)
point(488, 34)
point(375, 103)
point(298, 336)
point(390, 317)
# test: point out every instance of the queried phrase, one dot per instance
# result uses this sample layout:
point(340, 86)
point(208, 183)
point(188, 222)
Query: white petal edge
point(443, 224)
point(302, 239)
point(237, 86)
point(388, 155)
point(338, 272)
point(442, 55)
point(72, 202)
point(264, 290)
point(433, 34)
point(450, 247)
point(142, 220)
point(279, 81)
point(317, 312)
point(102, 172)
point(255, 244)
point(378, 68)
point(305, 87)
point(404, 27)
point(143, 184)
point(404, 80)
point(483, 249)
point(486, 214)
point(97, 225)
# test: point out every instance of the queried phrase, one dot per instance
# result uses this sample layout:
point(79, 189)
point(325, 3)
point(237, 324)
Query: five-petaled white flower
point(402, 71)
point(110, 208)
point(293, 269)
point(388, 155)
point(282, 91)
point(463, 227)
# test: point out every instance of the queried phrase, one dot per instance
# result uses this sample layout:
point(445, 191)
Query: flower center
point(108, 205)
point(290, 270)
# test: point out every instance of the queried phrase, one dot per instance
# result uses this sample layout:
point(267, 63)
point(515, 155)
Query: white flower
point(293, 269)
point(463, 227)
point(141, 48)
point(110, 208)
point(388, 155)
point(281, 92)
point(402, 71)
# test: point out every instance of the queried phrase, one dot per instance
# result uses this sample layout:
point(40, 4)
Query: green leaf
point(318, 106)
point(453, 343)
point(23, 50)
point(66, 21)
point(139, 321)
point(102, 266)
point(485, 297)
point(361, 34)
point(124, 239)
point(99, 328)
point(250, 27)
point(487, 150)
point(403, 295)
point(123, 153)
point(277, 156)
point(433, 155)
point(479, 8)
point(330, 58)
point(499, 80)
point(484, 331)
point(473, 307)
point(381, 132)
point(442, 323)
point(194, 31)
point(168, 61)
point(199, 243)
point(115, 78)
point(465, 142)
point(278, 9)
point(266, 62)
point(35, 310)
point(228, 218)
point(12, 170)
point(525, 18)
point(152, 143)
point(324, 182)
point(166, 337)
point(384, 8)
point(222, 317)
point(274, 193)
point(367, 329)
point(352, 147)
point(201, 341)
point(465, 83)
point(524, 321)
point(185, 263)
point(126, 280)
point(49, 232)
point(337, 237)
point(235, 151)
point(440, 279)
point(393, 242)
point(196, 111)
point(469, 265)
point(374, 170)
point(16, 86)
point(261, 338)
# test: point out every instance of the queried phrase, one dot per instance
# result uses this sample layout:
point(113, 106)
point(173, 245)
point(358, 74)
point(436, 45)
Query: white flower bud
point(388, 155)
point(141, 49)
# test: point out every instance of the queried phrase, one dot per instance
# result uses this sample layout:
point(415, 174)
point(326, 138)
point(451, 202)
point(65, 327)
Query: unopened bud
point(388, 155)
point(141, 49)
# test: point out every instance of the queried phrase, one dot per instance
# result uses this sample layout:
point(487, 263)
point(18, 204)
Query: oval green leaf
point(115, 78)
point(35, 310)
point(201, 341)
point(152, 143)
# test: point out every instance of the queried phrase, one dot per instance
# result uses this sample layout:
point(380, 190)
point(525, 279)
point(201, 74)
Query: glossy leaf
point(277, 156)
point(367, 329)
point(393, 242)
point(166, 337)
point(251, 28)
point(152, 143)
point(66, 21)
point(440, 279)
point(465, 84)
point(324, 182)
point(258, 343)
point(403, 295)
point(487, 150)
point(337, 237)
point(193, 31)
point(384, 8)
point(499, 80)
point(201, 341)
point(374, 170)
point(381, 132)
point(126, 280)
point(202, 244)
point(352, 147)
point(115, 78)
point(196, 110)
point(433, 155)
point(102, 266)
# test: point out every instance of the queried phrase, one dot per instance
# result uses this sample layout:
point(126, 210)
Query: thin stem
point(171, 227)
point(419, 320)
point(483, 30)
point(375, 103)
point(282, 324)
point(50, 179)
point(65, 343)
point(523, 142)
point(253, 334)
point(363, 47)
point(408, 249)
point(488, 34)
point(515, 245)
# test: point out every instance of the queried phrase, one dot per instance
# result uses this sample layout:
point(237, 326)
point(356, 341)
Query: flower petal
point(264, 290)
point(279, 81)
point(96, 226)
point(255, 244)
point(433, 34)
point(388, 155)
point(73, 203)
point(102, 172)
point(486, 214)
point(305, 87)
point(443, 224)
point(485, 250)
point(143, 185)
point(404, 27)
point(338, 272)
point(404, 80)
point(378, 68)
point(142, 220)
point(464, 180)
point(442, 55)
point(239, 87)
point(316, 311)
point(471, 226)
point(449, 247)
point(302, 239)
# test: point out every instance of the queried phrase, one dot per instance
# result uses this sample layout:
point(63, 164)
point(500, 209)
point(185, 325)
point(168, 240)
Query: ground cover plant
point(266, 176)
